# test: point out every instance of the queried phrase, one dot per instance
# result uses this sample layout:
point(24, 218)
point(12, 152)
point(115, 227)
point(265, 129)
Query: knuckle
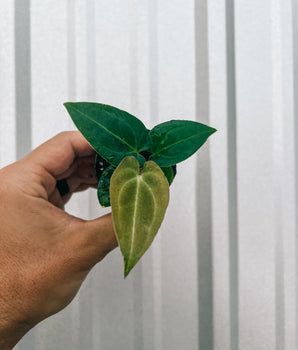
point(66, 134)
point(63, 134)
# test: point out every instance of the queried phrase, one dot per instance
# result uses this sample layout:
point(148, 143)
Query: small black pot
point(100, 166)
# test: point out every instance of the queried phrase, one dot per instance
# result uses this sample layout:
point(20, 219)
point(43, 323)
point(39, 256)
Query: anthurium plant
point(135, 167)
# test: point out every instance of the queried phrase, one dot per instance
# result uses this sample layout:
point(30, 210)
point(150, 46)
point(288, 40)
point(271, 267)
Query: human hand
point(45, 253)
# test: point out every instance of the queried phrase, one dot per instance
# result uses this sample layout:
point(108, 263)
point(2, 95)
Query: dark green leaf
point(113, 133)
point(169, 174)
point(176, 140)
point(103, 189)
point(139, 201)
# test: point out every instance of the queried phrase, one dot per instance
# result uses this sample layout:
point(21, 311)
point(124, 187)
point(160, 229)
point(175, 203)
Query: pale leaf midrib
point(162, 149)
point(154, 201)
point(139, 179)
point(136, 203)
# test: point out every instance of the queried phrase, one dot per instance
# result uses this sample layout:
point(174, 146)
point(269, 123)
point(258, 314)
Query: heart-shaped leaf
point(139, 200)
point(175, 140)
point(113, 133)
point(103, 189)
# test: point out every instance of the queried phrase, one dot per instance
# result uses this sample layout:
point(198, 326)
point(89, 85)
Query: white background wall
point(221, 273)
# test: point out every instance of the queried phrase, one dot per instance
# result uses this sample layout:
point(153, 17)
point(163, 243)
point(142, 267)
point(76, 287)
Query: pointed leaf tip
point(112, 132)
point(176, 140)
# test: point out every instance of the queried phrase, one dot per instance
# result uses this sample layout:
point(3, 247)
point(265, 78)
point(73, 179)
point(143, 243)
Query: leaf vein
point(134, 218)
point(180, 141)
point(108, 131)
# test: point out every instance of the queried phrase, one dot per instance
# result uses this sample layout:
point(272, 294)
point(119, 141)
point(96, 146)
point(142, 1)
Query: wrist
point(11, 333)
point(13, 322)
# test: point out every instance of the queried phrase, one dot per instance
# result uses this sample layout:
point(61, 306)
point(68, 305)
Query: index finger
point(57, 154)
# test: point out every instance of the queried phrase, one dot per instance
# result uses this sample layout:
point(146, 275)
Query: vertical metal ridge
point(295, 129)
point(203, 188)
point(22, 42)
point(71, 50)
point(91, 49)
point(22, 77)
point(232, 173)
point(75, 314)
point(279, 257)
point(277, 147)
point(154, 119)
point(153, 63)
point(134, 105)
point(138, 308)
point(133, 59)
point(90, 39)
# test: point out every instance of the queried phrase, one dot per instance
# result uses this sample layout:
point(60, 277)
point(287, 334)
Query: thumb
point(93, 240)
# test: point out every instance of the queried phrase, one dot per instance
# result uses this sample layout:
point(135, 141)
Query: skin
point(45, 253)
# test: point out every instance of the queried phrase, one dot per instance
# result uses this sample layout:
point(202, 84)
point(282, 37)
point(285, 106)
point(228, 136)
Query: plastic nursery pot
point(100, 166)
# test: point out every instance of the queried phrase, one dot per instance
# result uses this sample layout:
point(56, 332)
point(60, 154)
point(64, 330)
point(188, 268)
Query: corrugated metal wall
point(222, 272)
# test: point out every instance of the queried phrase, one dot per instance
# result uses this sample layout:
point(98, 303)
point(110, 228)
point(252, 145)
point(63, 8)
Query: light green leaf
point(113, 133)
point(175, 140)
point(139, 199)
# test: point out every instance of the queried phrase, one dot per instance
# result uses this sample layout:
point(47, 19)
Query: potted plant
point(135, 167)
